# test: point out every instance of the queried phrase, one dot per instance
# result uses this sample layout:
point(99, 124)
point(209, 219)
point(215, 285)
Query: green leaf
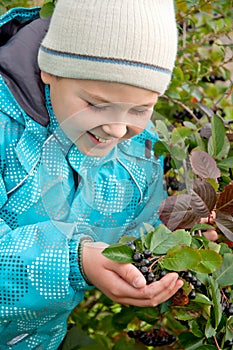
point(229, 328)
point(162, 130)
point(224, 275)
point(163, 239)
point(179, 74)
point(119, 252)
point(226, 163)
point(182, 237)
point(146, 239)
point(178, 152)
point(224, 249)
point(210, 261)
point(218, 135)
point(123, 344)
point(201, 227)
point(209, 330)
point(122, 318)
point(188, 341)
point(216, 297)
point(214, 246)
point(190, 125)
point(92, 346)
point(180, 258)
point(223, 152)
point(147, 314)
point(195, 328)
point(47, 10)
point(187, 312)
point(203, 277)
point(149, 228)
point(161, 148)
point(213, 183)
point(2, 10)
point(225, 149)
point(125, 239)
point(202, 299)
point(180, 133)
point(173, 94)
point(75, 339)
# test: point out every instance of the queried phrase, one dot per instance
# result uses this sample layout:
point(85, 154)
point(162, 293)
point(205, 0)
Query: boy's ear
point(46, 77)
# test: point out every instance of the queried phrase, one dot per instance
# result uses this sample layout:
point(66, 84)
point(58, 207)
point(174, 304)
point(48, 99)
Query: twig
point(156, 261)
point(216, 342)
point(184, 34)
point(183, 106)
point(223, 95)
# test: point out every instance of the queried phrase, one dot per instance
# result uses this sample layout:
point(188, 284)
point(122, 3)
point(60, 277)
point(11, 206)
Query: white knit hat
point(127, 41)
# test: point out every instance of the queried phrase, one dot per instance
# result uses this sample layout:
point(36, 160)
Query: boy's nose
point(116, 130)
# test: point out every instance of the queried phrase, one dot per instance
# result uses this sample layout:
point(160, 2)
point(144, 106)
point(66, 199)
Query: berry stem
point(224, 297)
point(216, 342)
point(155, 262)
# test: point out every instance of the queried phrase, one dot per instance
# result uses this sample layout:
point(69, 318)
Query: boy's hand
point(124, 283)
point(210, 234)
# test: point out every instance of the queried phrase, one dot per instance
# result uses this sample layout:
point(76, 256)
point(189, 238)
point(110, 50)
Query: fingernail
point(139, 282)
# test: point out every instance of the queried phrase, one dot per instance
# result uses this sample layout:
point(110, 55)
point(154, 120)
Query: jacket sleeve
point(154, 193)
point(38, 262)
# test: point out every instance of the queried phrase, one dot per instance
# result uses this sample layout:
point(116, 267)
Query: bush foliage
point(194, 120)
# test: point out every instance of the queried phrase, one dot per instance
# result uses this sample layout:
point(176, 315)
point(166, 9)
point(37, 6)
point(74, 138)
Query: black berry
point(137, 257)
point(192, 294)
point(147, 253)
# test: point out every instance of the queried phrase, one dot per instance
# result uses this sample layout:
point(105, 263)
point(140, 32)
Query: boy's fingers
point(150, 295)
point(130, 274)
point(211, 235)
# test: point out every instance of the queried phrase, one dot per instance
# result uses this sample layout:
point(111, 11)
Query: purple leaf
point(204, 165)
point(176, 212)
point(203, 197)
point(225, 201)
point(225, 224)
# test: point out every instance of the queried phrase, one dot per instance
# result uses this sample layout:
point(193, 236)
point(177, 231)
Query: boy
point(77, 164)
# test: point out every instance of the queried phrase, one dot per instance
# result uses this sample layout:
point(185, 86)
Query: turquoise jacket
point(51, 196)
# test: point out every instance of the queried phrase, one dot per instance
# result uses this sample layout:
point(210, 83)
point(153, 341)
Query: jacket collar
point(18, 63)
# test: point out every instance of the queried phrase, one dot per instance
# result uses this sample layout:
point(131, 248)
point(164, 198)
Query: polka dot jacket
point(51, 196)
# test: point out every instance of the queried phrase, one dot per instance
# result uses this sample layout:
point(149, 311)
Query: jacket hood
point(20, 39)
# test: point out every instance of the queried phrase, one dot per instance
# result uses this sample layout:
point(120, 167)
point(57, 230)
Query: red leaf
point(180, 298)
point(225, 224)
point(203, 197)
point(204, 165)
point(225, 200)
point(176, 212)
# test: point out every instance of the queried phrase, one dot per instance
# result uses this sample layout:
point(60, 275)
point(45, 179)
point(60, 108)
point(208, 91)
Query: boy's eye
point(97, 108)
point(140, 111)
point(134, 111)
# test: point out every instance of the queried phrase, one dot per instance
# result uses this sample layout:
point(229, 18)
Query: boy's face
point(96, 115)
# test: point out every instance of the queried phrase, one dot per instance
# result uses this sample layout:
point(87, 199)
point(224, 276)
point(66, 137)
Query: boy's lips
point(100, 140)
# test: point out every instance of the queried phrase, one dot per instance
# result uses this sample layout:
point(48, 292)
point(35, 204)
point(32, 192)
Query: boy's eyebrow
point(84, 94)
point(99, 99)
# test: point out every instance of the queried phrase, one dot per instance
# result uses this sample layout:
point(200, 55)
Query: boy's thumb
point(132, 275)
point(139, 281)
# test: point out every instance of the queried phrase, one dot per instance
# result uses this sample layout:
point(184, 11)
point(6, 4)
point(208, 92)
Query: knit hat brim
point(119, 71)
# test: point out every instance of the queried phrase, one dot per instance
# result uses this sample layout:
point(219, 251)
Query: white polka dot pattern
point(44, 214)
